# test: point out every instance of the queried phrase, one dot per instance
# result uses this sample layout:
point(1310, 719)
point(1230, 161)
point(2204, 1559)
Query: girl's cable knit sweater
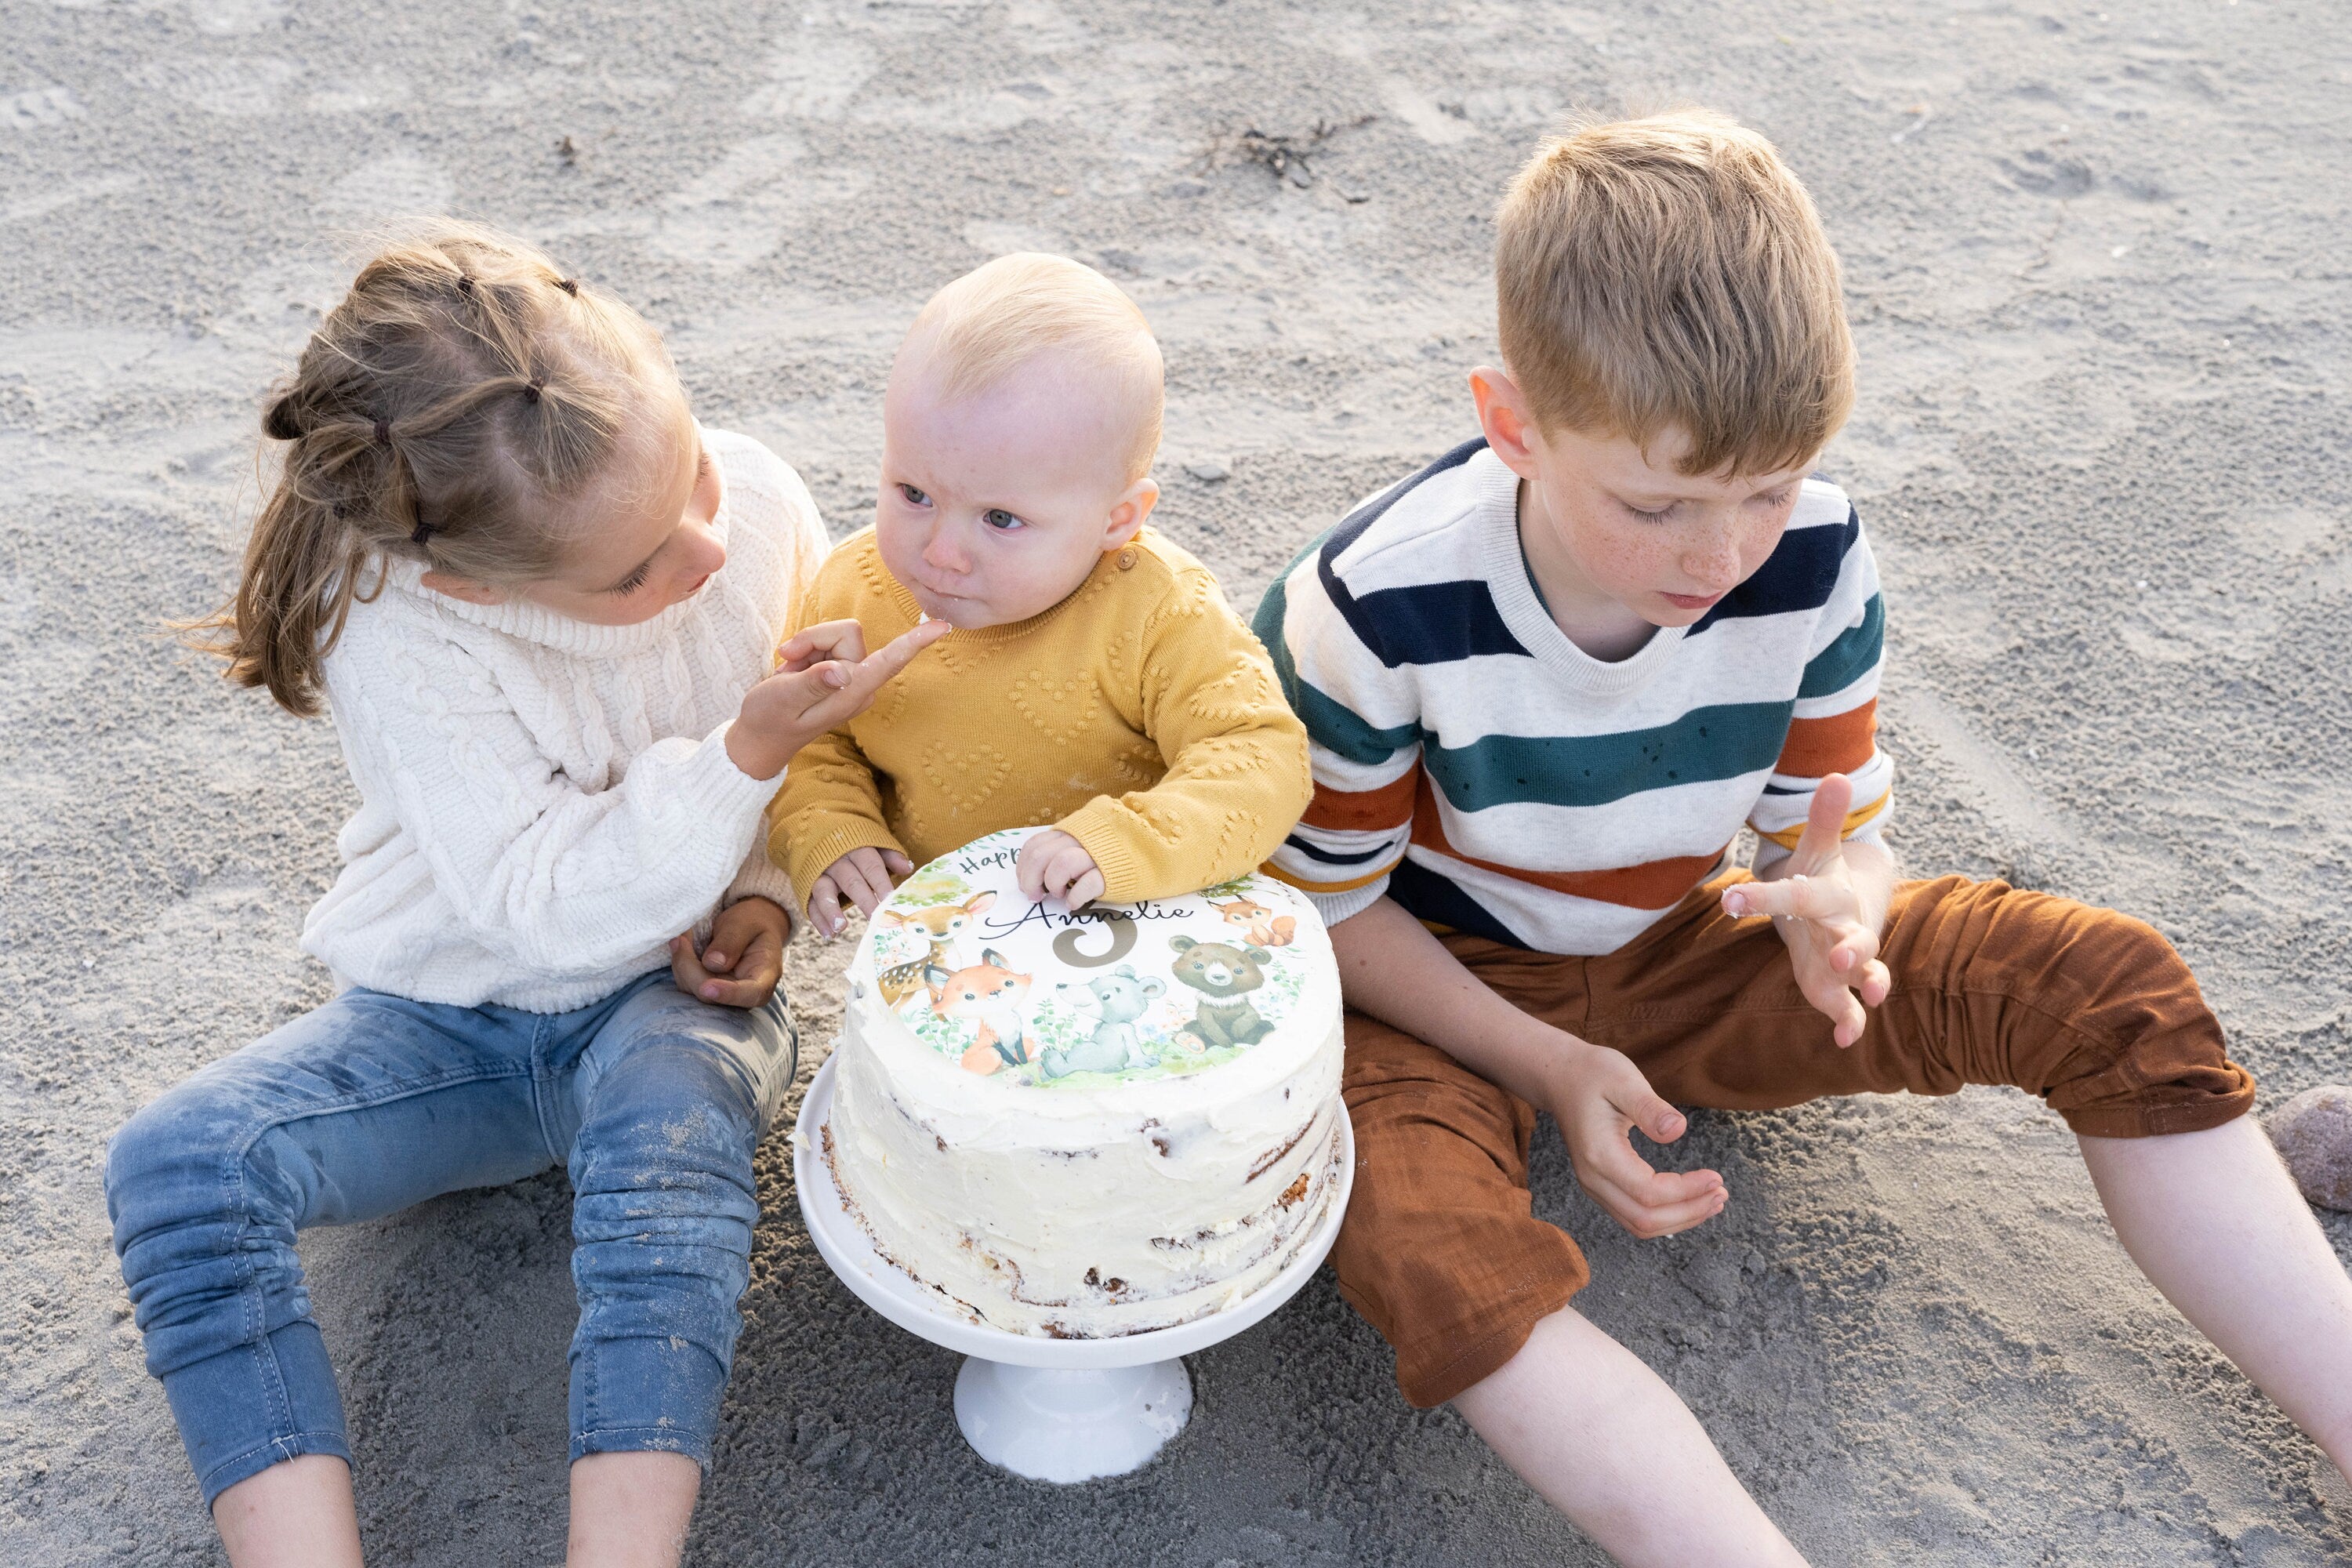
point(544, 803)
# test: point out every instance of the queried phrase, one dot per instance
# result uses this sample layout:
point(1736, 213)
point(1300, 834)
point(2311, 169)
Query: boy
point(1547, 680)
point(1096, 678)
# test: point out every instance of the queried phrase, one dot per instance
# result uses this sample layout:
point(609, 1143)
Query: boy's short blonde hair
point(990, 321)
point(1671, 271)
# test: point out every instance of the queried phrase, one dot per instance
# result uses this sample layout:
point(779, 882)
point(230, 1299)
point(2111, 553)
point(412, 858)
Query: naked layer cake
point(1092, 1123)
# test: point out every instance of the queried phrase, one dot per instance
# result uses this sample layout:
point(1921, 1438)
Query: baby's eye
point(633, 581)
point(1003, 522)
point(914, 497)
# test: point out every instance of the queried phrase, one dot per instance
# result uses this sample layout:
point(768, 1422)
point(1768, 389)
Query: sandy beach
point(2096, 264)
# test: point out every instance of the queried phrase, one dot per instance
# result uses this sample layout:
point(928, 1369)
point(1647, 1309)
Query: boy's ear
point(1503, 416)
point(1129, 512)
point(464, 588)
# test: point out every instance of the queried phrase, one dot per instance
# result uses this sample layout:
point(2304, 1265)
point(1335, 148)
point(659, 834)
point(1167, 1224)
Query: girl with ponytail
point(541, 604)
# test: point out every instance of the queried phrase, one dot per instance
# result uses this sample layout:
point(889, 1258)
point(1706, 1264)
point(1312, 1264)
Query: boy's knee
point(2161, 1063)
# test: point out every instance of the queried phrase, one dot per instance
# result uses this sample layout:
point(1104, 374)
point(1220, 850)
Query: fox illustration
point(990, 993)
point(1279, 930)
point(938, 925)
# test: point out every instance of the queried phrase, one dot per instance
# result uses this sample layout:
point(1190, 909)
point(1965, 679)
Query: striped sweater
point(1481, 770)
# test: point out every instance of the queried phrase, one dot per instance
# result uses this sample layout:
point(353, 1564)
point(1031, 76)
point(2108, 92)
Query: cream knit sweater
point(546, 803)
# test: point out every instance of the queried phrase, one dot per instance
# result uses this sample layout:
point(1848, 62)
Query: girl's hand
point(740, 965)
point(1052, 864)
point(864, 877)
point(824, 678)
point(1828, 917)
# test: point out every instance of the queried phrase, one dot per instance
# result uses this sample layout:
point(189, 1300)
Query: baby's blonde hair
point(995, 318)
point(1671, 271)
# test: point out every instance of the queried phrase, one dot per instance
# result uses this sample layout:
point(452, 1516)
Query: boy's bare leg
point(630, 1511)
point(297, 1514)
point(2215, 1221)
point(1607, 1443)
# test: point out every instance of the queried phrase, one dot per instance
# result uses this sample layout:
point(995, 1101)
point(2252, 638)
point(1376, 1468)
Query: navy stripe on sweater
point(1423, 623)
point(1332, 724)
point(1799, 574)
point(1332, 857)
point(1427, 896)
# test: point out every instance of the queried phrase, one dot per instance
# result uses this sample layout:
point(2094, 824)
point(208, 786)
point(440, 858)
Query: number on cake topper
point(1122, 942)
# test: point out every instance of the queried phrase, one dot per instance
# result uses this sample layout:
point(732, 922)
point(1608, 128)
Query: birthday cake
point(1091, 1123)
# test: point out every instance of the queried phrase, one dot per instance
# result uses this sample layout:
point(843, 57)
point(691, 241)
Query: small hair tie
point(384, 432)
point(465, 284)
point(532, 390)
point(424, 531)
point(570, 285)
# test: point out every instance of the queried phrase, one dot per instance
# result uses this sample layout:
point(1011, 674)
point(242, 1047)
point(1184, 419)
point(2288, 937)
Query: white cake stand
point(1052, 1410)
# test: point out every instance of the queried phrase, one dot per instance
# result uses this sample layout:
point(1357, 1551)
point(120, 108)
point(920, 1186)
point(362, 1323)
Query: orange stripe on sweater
point(1840, 743)
point(1349, 886)
point(1363, 811)
point(1653, 885)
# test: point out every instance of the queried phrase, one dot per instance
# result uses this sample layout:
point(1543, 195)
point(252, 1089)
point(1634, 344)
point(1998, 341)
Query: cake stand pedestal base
point(1052, 1410)
point(1053, 1423)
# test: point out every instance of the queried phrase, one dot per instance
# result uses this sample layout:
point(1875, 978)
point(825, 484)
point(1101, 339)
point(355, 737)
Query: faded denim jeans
point(653, 1100)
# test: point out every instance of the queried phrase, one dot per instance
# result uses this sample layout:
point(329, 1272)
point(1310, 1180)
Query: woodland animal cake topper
point(1058, 997)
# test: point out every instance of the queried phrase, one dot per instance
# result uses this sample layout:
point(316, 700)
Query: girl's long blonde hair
point(462, 390)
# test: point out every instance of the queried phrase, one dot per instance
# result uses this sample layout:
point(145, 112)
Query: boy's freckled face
point(1604, 523)
point(996, 504)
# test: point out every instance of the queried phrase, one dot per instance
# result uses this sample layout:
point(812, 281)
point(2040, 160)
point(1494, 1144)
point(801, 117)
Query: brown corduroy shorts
point(2090, 1009)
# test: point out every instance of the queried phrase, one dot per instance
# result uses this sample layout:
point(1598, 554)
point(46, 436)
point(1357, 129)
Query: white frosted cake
point(1090, 1124)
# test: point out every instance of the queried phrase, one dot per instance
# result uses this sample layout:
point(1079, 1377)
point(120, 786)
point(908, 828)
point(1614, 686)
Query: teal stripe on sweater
point(1331, 723)
point(1335, 727)
point(1703, 746)
point(1849, 658)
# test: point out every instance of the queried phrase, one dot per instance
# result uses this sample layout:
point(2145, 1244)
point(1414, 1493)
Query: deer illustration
point(938, 925)
point(1262, 926)
point(989, 993)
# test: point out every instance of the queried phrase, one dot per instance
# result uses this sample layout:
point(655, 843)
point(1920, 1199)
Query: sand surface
point(2096, 264)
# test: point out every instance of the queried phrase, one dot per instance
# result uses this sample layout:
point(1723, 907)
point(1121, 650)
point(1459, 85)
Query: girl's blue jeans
point(652, 1100)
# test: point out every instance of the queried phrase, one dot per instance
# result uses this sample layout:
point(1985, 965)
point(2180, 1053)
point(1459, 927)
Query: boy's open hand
point(1052, 864)
point(1829, 916)
point(824, 678)
point(864, 877)
point(1600, 1096)
point(740, 965)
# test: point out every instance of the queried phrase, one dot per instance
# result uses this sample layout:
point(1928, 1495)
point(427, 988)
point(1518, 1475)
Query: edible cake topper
point(1030, 994)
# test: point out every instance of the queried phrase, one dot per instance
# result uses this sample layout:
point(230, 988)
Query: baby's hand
point(1830, 925)
point(824, 678)
point(864, 877)
point(1052, 864)
point(740, 965)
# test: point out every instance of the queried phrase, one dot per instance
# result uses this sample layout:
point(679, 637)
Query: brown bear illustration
point(1223, 975)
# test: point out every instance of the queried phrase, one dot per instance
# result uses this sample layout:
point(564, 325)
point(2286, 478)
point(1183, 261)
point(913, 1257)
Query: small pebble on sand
point(2314, 1134)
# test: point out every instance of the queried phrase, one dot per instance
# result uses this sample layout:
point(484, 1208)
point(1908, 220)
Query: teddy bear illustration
point(1123, 998)
point(1225, 976)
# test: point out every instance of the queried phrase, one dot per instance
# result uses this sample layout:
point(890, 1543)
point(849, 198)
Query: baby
point(1095, 680)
